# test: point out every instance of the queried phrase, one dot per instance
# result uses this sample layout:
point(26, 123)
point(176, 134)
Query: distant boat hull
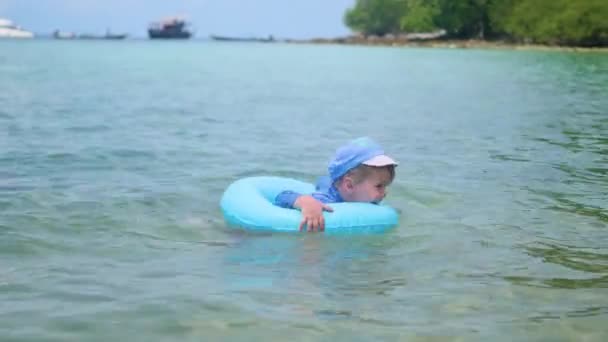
point(70, 35)
point(164, 34)
point(18, 34)
point(10, 30)
point(107, 36)
point(169, 28)
point(242, 39)
point(115, 36)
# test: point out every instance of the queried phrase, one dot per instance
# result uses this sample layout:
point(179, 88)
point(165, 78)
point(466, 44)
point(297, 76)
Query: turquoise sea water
point(114, 155)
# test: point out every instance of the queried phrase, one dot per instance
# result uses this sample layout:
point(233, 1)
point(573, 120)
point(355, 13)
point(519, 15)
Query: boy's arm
point(286, 199)
point(311, 206)
point(312, 213)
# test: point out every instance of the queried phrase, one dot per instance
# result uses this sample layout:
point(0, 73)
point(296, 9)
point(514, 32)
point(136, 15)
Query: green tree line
point(555, 22)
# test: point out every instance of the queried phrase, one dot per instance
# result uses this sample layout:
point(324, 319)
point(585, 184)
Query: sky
point(281, 18)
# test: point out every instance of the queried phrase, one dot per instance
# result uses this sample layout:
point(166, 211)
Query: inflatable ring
point(249, 203)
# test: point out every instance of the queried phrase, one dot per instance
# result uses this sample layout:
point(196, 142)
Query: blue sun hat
point(359, 151)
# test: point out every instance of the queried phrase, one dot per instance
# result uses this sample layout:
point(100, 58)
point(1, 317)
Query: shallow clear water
point(114, 155)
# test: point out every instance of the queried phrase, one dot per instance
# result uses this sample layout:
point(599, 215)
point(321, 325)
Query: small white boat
point(10, 30)
point(64, 35)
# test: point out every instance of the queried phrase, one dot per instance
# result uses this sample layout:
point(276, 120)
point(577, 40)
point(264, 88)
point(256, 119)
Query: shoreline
point(444, 44)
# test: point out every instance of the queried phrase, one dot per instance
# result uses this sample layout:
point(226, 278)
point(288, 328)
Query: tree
point(464, 18)
point(420, 16)
point(566, 22)
point(563, 22)
point(377, 17)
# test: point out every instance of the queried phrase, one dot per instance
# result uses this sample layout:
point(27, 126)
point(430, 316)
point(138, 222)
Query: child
point(359, 172)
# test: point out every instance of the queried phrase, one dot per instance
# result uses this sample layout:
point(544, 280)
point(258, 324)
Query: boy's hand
point(312, 213)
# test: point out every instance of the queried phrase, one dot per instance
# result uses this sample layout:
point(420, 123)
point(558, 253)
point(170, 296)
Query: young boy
point(359, 172)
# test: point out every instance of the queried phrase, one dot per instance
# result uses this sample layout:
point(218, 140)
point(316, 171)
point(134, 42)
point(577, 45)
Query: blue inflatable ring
point(249, 203)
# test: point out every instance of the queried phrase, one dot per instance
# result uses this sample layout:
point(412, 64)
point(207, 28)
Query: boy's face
point(372, 188)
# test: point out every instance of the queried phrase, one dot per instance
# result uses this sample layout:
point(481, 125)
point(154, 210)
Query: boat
point(108, 35)
point(115, 36)
point(170, 28)
point(9, 30)
point(71, 35)
point(64, 35)
point(270, 39)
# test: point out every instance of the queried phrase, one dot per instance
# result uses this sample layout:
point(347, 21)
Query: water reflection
point(576, 144)
point(586, 312)
point(560, 283)
point(312, 276)
point(565, 203)
point(570, 257)
point(588, 133)
point(590, 139)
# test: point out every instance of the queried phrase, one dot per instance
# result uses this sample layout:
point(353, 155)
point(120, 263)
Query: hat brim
point(381, 160)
